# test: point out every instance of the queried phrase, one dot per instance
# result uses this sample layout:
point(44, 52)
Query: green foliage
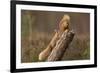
point(86, 53)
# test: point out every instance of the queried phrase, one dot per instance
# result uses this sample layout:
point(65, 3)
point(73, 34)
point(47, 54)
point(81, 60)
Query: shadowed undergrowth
point(79, 49)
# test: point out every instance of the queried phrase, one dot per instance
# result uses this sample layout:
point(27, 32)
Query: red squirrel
point(63, 25)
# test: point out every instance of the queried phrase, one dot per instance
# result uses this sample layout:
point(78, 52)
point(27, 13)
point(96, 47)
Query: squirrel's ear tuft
point(66, 16)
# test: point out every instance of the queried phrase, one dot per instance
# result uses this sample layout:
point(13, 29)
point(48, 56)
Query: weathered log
point(61, 46)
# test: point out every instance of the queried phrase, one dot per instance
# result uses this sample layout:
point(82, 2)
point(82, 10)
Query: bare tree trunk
point(61, 46)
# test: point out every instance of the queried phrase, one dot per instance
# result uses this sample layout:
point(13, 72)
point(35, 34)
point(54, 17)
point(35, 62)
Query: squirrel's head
point(66, 18)
point(64, 23)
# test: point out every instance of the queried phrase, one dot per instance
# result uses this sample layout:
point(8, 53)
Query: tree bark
point(61, 46)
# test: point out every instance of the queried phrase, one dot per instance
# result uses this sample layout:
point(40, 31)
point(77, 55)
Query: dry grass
point(79, 49)
point(31, 50)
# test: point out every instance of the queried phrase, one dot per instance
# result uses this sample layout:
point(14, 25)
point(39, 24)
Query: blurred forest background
point(37, 29)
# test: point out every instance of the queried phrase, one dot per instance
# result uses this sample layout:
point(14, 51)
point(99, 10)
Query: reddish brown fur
point(63, 25)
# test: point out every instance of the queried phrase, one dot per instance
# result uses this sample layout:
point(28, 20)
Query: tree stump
point(61, 46)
